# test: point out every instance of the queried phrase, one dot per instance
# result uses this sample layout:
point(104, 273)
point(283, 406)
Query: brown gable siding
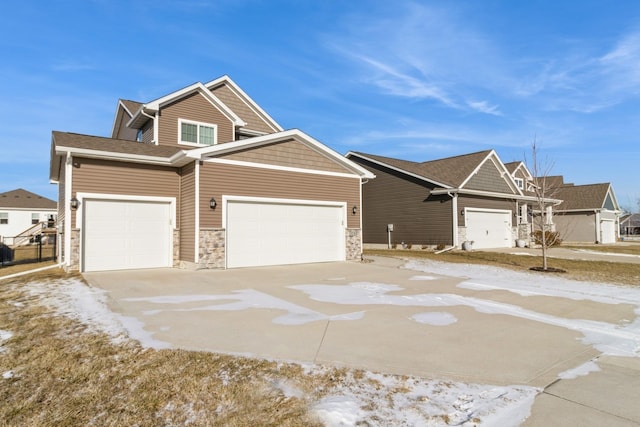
point(466, 201)
point(488, 178)
point(193, 107)
point(187, 212)
point(121, 131)
point(405, 202)
point(103, 176)
point(217, 180)
point(291, 154)
point(242, 110)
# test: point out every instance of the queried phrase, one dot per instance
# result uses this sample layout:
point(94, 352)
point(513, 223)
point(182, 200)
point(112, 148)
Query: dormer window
point(519, 183)
point(139, 134)
point(197, 133)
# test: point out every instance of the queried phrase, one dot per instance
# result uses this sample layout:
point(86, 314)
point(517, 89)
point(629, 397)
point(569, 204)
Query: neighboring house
point(471, 197)
point(203, 178)
point(588, 213)
point(21, 210)
point(630, 224)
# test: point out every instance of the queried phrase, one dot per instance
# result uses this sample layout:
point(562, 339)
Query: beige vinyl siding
point(109, 177)
point(488, 178)
point(289, 153)
point(217, 180)
point(147, 133)
point(188, 212)
point(253, 119)
point(466, 201)
point(196, 108)
point(404, 201)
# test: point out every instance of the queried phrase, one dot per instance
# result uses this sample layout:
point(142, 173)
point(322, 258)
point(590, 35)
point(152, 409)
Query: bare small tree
point(544, 190)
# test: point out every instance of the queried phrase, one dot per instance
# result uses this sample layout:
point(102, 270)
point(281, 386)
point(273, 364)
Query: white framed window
point(197, 133)
point(519, 183)
point(4, 217)
point(139, 135)
point(35, 218)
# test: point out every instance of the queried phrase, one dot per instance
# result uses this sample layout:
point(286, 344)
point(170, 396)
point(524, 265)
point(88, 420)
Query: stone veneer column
point(176, 247)
point(211, 250)
point(353, 244)
point(73, 263)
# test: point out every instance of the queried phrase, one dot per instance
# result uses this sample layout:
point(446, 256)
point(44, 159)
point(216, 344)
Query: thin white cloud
point(400, 84)
point(73, 65)
point(484, 107)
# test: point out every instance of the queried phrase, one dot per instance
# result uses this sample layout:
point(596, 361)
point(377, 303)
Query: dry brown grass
point(64, 375)
point(631, 248)
point(19, 268)
point(597, 271)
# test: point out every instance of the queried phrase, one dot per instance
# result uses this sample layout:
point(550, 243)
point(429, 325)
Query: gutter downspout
point(454, 209)
point(68, 165)
point(155, 124)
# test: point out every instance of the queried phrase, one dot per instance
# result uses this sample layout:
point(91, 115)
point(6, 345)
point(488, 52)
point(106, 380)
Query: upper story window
point(519, 183)
point(35, 218)
point(139, 135)
point(4, 217)
point(197, 133)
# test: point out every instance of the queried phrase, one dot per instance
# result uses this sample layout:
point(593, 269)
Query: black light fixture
point(354, 210)
point(462, 212)
point(74, 203)
point(212, 203)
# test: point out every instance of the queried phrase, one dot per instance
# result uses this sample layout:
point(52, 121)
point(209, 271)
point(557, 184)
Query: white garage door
point(488, 229)
point(120, 235)
point(608, 230)
point(260, 233)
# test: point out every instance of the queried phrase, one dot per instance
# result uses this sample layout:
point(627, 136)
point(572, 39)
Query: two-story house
point(203, 178)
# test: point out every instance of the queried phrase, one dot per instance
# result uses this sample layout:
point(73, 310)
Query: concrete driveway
point(380, 317)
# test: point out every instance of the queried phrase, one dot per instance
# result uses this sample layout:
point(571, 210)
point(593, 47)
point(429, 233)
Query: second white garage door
point(264, 233)
point(120, 235)
point(488, 229)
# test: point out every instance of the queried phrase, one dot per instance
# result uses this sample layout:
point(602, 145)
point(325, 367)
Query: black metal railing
point(41, 247)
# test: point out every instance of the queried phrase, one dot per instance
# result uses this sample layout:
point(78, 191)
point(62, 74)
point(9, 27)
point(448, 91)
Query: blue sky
point(415, 80)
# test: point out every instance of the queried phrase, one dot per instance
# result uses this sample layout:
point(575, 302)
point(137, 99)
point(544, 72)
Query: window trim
point(198, 124)
point(37, 219)
point(5, 220)
point(519, 183)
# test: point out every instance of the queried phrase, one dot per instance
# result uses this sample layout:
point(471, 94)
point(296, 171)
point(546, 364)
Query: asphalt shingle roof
point(24, 199)
point(452, 171)
point(578, 197)
point(98, 143)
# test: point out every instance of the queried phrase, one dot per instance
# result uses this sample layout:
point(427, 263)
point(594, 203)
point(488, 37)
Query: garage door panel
point(489, 229)
point(126, 235)
point(279, 233)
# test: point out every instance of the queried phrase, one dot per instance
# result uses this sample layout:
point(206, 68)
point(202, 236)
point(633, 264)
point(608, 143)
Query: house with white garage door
point(468, 198)
point(203, 178)
point(588, 213)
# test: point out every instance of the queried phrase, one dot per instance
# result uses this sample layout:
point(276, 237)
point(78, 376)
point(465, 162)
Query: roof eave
point(403, 171)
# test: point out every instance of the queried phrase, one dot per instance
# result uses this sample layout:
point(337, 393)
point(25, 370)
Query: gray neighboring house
point(630, 225)
point(471, 197)
point(588, 214)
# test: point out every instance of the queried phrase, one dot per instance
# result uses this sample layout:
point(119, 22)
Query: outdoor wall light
point(354, 210)
point(462, 212)
point(212, 203)
point(74, 203)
